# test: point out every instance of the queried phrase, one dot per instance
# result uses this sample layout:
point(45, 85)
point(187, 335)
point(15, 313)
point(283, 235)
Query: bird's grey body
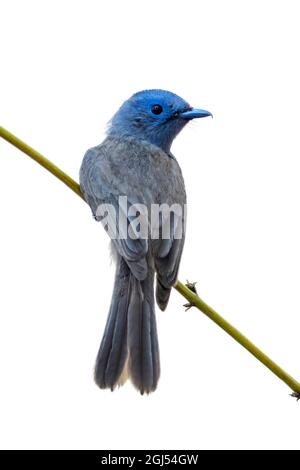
point(146, 175)
point(135, 162)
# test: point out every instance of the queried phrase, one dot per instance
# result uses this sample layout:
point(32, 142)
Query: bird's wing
point(101, 185)
point(168, 256)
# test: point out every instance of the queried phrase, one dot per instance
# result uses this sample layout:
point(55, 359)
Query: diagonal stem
point(195, 300)
point(35, 155)
point(188, 294)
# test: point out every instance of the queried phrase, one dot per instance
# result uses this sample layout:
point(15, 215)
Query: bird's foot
point(296, 395)
point(192, 287)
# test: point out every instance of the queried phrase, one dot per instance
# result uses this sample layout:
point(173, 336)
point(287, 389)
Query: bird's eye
point(156, 109)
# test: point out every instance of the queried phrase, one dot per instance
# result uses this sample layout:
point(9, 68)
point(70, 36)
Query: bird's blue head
point(156, 116)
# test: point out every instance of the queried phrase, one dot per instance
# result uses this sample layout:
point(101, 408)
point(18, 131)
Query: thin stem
point(239, 337)
point(193, 298)
point(39, 158)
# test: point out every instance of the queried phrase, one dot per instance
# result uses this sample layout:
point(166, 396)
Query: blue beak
point(195, 113)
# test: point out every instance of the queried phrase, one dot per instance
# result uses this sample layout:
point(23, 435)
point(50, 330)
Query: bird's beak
point(195, 113)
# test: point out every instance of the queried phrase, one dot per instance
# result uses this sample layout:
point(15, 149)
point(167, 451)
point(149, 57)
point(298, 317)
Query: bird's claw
point(296, 395)
point(188, 306)
point(192, 287)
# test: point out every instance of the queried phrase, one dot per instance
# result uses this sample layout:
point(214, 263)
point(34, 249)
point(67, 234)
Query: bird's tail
point(129, 346)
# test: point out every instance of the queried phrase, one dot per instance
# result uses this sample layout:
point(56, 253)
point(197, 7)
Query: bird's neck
point(163, 142)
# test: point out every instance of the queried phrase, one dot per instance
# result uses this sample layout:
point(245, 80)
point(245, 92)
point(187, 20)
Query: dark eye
point(156, 109)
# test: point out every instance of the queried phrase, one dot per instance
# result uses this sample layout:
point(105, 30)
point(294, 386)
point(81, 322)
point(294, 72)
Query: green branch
point(35, 155)
point(187, 293)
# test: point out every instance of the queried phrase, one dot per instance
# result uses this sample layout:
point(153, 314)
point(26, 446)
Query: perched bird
point(134, 163)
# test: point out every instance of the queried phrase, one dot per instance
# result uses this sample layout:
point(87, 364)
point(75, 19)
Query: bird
point(134, 165)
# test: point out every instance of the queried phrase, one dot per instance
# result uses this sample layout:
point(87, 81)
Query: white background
point(65, 68)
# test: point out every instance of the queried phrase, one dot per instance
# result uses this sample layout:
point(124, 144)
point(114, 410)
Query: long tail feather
point(129, 346)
